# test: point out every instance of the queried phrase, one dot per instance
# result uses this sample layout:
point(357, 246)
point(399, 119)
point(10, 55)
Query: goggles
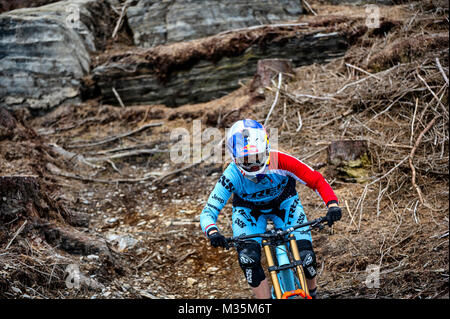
point(253, 163)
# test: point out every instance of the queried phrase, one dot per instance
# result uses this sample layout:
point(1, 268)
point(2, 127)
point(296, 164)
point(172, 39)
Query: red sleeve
point(289, 165)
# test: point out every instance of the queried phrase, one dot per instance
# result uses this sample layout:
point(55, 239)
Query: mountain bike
point(283, 259)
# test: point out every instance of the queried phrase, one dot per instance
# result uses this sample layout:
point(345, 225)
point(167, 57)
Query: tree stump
point(7, 124)
point(21, 197)
point(349, 160)
point(267, 69)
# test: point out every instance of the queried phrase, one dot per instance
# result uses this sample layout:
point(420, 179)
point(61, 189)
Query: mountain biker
point(262, 182)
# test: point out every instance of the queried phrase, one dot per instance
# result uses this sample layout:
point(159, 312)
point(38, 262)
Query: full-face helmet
point(249, 147)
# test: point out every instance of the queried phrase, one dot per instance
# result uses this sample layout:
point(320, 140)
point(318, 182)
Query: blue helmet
point(249, 147)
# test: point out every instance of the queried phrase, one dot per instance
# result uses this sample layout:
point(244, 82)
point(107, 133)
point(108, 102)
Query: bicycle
point(286, 270)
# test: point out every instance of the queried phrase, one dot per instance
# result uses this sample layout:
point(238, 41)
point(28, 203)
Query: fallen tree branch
point(16, 234)
point(300, 122)
point(56, 171)
point(366, 188)
point(111, 139)
point(126, 154)
point(441, 70)
point(72, 156)
point(277, 94)
point(432, 92)
point(118, 97)
point(255, 27)
point(363, 71)
point(309, 7)
point(119, 22)
point(411, 155)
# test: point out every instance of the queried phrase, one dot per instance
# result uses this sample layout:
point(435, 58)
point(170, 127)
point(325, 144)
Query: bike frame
point(285, 283)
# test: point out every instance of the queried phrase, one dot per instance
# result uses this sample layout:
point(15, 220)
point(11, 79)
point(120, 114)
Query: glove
point(334, 214)
point(218, 240)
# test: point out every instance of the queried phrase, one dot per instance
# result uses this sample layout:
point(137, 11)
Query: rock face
point(204, 76)
point(155, 22)
point(361, 2)
point(8, 5)
point(45, 51)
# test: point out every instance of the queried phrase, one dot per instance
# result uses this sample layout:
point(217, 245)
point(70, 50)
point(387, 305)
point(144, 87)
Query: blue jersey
point(268, 188)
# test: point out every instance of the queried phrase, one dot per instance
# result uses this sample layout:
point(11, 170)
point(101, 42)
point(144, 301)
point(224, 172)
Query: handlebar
point(277, 233)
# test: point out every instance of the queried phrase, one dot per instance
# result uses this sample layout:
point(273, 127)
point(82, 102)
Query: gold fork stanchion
point(273, 274)
point(300, 272)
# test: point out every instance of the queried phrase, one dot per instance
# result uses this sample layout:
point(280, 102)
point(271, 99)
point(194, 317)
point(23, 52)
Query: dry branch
point(120, 20)
point(264, 26)
point(280, 77)
point(72, 156)
point(441, 70)
point(111, 139)
point(16, 234)
point(118, 97)
point(127, 154)
point(56, 171)
point(411, 155)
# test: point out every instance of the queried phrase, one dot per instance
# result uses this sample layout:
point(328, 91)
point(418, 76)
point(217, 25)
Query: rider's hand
point(217, 239)
point(334, 214)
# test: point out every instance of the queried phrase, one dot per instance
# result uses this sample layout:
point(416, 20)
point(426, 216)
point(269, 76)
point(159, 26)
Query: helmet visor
point(252, 162)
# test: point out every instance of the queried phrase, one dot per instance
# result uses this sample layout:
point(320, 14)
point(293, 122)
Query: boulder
point(156, 22)
point(45, 51)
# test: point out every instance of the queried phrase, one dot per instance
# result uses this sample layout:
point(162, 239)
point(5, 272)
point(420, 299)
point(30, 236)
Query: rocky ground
point(91, 185)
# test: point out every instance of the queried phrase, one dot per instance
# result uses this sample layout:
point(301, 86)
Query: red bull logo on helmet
point(249, 149)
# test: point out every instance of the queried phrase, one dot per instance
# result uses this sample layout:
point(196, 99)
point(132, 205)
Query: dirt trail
point(148, 221)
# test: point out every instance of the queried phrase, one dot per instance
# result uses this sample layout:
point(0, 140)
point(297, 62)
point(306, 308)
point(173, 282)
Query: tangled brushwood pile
point(391, 90)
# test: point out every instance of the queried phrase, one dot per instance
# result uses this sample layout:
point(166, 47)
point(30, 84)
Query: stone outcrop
point(155, 22)
point(361, 2)
point(8, 5)
point(45, 51)
point(209, 68)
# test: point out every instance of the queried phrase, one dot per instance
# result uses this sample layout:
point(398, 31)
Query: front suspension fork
point(273, 273)
point(300, 272)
